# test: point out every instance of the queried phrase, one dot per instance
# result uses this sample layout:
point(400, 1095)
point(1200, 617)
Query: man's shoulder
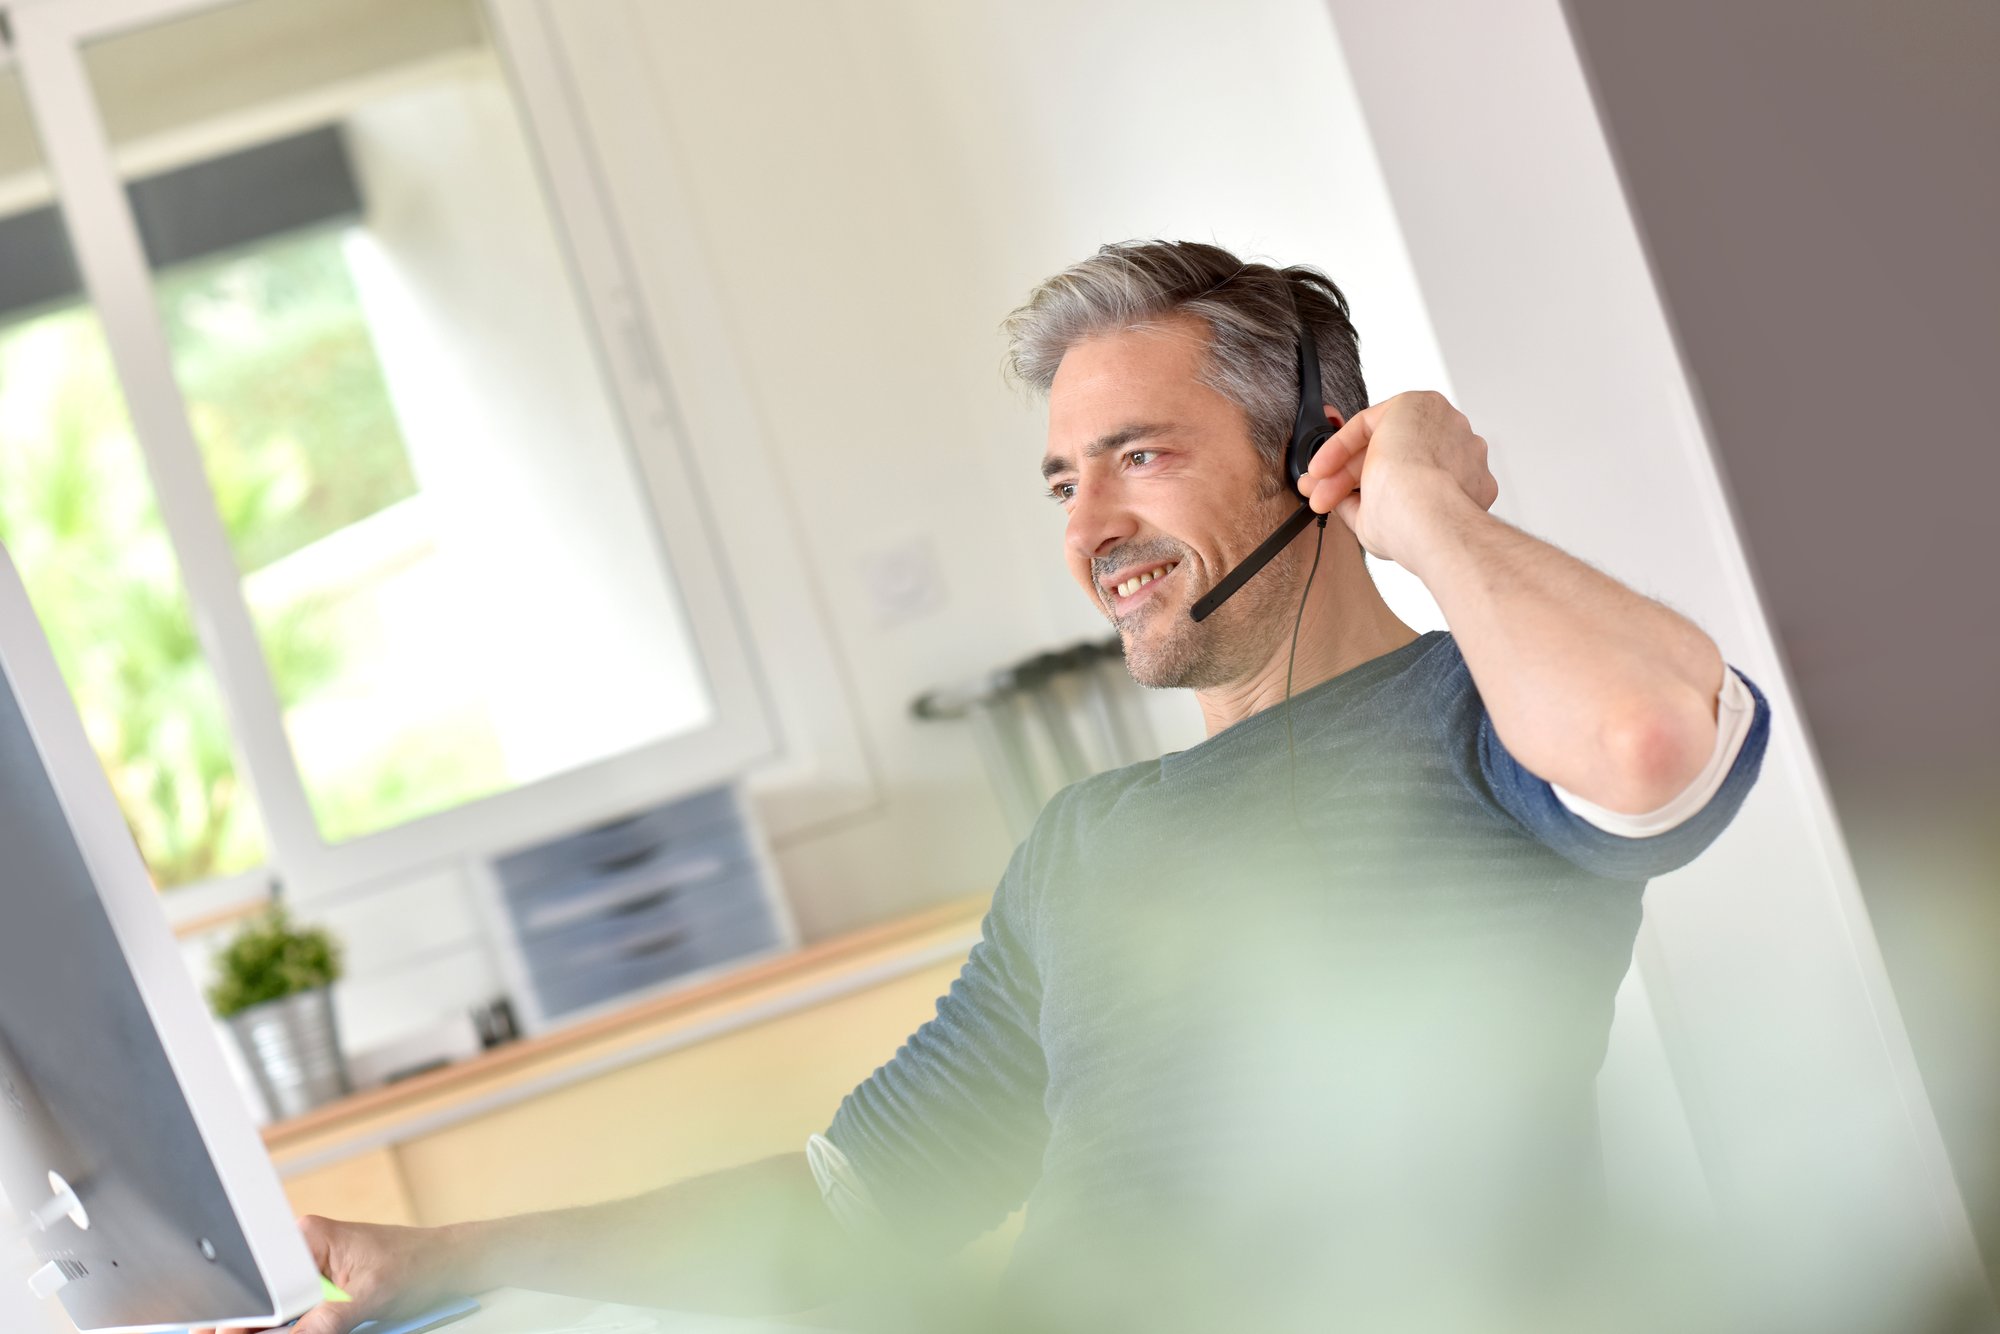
point(1089, 800)
point(1414, 682)
point(1431, 656)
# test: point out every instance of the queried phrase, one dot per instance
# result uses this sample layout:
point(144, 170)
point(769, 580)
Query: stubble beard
point(1167, 649)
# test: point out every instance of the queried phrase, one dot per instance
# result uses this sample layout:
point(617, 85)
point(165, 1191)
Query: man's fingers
point(330, 1318)
point(1341, 446)
point(1332, 456)
point(318, 1233)
point(1323, 493)
point(1350, 514)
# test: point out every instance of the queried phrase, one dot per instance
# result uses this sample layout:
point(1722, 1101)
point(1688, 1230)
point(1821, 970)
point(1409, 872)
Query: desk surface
point(515, 1311)
point(533, 1066)
point(512, 1311)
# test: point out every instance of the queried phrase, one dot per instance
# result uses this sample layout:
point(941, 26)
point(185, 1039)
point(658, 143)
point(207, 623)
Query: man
point(1305, 1018)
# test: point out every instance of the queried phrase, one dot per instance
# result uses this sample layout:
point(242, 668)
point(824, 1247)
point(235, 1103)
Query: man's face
point(1159, 477)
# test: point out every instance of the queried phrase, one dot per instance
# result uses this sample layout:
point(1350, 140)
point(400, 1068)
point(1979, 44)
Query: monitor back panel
point(86, 1087)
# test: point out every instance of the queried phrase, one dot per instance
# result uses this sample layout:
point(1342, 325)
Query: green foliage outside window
point(77, 516)
point(285, 392)
point(288, 403)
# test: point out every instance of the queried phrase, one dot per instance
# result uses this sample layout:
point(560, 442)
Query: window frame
point(47, 53)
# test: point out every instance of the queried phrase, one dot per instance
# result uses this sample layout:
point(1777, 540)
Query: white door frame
point(1814, 1131)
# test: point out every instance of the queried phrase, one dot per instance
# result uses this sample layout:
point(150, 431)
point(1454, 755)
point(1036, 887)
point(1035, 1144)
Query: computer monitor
point(111, 1078)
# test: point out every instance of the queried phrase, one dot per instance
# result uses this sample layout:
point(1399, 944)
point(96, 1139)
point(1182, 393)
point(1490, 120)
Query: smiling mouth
point(1130, 592)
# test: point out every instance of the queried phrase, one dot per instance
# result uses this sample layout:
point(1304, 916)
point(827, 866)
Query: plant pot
point(292, 1046)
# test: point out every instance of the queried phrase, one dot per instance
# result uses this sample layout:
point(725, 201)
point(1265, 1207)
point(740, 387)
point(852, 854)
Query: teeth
point(1137, 582)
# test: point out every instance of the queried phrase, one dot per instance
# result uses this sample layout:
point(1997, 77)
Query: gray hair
point(1252, 311)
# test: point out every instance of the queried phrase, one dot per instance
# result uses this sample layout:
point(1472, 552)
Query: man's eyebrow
point(1104, 444)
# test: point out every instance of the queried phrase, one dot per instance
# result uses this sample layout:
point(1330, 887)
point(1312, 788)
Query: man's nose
point(1098, 521)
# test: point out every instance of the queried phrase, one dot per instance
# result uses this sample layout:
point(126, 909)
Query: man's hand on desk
point(390, 1272)
point(751, 1240)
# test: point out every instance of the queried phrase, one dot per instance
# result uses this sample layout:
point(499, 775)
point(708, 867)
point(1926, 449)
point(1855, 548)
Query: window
point(359, 334)
point(78, 516)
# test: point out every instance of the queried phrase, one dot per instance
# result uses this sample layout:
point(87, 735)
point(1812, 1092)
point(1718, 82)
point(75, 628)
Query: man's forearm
point(1591, 686)
point(752, 1240)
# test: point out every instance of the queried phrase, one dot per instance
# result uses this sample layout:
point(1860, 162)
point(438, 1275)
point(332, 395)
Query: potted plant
point(274, 988)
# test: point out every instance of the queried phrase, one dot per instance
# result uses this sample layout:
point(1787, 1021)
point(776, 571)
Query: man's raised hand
point(1392, 468)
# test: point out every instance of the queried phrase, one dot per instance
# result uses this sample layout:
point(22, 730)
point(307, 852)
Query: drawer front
point(635, 903)
point(647, 917)
point(684, 866)
point(647, 962)
point(619, 843)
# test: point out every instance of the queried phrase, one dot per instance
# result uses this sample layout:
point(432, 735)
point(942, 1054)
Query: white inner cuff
point(846, 1197)
point(1735, 709)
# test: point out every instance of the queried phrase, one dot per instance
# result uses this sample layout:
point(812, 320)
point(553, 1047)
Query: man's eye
point(1063, 491)
point(1138, 456)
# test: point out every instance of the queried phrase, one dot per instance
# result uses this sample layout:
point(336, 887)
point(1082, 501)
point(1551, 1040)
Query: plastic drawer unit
point(632, 907)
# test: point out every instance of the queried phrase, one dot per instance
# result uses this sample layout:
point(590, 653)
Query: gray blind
point(191, 212)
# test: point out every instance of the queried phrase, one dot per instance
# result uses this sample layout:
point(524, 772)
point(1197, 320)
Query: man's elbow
point(1654, 756)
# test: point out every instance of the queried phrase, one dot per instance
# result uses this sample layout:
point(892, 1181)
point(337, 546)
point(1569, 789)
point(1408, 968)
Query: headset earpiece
point(1310, 428)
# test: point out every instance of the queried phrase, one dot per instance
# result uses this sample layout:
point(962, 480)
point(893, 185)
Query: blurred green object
point(270, 959)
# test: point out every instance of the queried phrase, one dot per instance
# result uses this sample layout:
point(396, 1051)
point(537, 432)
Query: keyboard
point(450, 1313)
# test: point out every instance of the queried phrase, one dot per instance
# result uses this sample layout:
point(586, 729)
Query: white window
point(327, 384)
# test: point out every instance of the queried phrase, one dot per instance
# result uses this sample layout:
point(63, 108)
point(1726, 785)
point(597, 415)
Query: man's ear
point(1334, 417)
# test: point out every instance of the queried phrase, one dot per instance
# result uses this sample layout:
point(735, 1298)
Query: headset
point(1310, 430)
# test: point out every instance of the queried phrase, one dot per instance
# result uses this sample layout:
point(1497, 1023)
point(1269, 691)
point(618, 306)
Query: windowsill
point(196, 909)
